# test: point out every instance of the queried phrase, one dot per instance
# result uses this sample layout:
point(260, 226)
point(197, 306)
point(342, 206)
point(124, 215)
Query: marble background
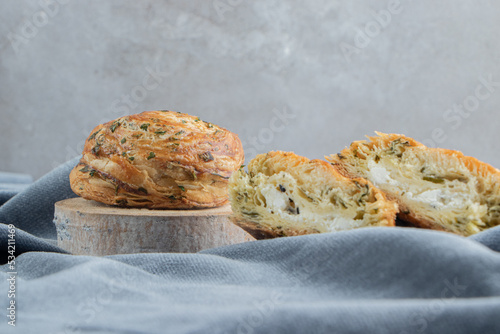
point(292, 75)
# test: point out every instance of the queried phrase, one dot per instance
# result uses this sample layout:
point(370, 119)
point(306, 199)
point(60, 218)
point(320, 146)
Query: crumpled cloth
point(370, 280)
point(11, 184)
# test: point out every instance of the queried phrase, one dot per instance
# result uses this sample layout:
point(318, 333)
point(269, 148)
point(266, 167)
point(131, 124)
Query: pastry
point(158, 159)
point(435, 188)
point(284, 194)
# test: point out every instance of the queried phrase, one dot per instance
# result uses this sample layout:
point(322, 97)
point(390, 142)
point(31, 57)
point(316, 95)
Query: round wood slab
point(90, 228)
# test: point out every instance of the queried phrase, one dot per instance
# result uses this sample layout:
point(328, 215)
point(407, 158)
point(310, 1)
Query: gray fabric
point(8, 193)
point(11, 184)
point(6, 177)
point(32, 210)
point(372, 280)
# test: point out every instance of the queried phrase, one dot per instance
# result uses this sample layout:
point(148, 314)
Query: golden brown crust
point(481, 179)
point(158, 159)
point(257, 231)
point(418, 221)
point(384, 140)
point(284, 194)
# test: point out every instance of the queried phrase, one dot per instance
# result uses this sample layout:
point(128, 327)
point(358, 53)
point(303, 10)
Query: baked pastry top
point(158, 159)
point(435, 188)
point(284, 194)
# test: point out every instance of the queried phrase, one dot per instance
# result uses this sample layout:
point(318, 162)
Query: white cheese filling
point(274, 198)
point(326, 221)
point(442, 198)
point(437, 198)
point(342, 223)
point(379, 175)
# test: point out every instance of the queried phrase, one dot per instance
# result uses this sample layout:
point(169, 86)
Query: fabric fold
point(369, 280)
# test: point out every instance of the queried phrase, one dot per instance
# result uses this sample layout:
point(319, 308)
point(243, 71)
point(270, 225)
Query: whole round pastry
point(158, 159)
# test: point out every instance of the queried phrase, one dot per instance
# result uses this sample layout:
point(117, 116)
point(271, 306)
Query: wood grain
point(87, 227)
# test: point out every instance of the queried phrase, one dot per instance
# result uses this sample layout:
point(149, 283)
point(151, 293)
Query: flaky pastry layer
point(284, 194)
point(158, 159)
point(435, 188)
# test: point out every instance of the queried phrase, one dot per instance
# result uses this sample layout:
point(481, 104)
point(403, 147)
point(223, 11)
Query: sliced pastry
point(284, 194)
point(435, 188)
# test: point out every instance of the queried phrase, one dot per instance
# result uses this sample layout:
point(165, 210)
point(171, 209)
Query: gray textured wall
point(292, 75)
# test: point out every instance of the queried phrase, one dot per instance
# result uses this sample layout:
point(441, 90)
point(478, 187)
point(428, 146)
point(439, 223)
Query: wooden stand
point(90, 228)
